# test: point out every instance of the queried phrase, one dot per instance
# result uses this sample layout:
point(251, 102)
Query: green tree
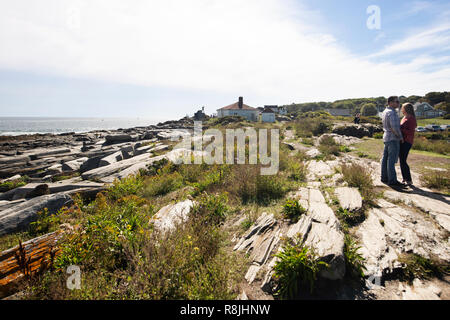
point(369, 109)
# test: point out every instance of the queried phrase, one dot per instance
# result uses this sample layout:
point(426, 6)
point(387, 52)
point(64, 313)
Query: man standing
point(392, 138)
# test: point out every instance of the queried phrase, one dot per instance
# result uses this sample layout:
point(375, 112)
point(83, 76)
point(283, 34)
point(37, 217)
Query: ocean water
point(32, 125)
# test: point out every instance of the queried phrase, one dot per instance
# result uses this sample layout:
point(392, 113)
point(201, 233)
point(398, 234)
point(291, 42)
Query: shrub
point(247, 184)
point(297, 266)
point(359, 177)
point(213, 207)
point(437, 146)
point(328, 146)
point(437, 180)
point(162, 184)
point(293, 210)
point(298, 171)
point(125, 187)
point(308, 127)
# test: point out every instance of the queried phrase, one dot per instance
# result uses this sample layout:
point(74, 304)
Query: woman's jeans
point(390, 156)
point(403, 155)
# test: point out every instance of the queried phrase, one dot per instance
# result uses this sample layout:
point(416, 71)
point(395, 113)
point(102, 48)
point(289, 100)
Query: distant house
point(268, 115)
point(276, 109)
point(425, 110)
point(239, 109)
point(339, 112)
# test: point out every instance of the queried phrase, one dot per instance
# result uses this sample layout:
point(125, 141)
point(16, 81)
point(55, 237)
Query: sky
point(166, 59)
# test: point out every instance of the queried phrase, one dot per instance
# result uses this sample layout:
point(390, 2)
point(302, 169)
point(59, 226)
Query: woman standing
point(408, 127)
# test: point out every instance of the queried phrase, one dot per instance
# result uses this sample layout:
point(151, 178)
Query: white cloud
point(270, 50)
point(435, 38)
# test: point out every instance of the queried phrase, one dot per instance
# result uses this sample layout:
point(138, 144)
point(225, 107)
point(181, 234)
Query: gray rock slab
point(112, 158)
point(328, 243)
point(108, 170)
point(74, 165)
point(20, 216)
point(48, 152)
point(14, 159)
point(116, 138)
point(380, 257)
point(60, 186)
point(349, 198)
point(134, 169)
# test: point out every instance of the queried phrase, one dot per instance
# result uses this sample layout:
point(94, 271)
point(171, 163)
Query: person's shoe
point(397, 184)
point(384, 181)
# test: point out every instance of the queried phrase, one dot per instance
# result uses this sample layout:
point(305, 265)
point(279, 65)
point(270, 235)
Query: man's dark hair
point(392, 99)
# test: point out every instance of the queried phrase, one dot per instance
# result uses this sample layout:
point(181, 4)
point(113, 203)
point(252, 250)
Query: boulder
point(169, 216)
point(74, 165)
point(39, 190)
point(112, 158)
point(357, 130)
point(20, 216)
point(116, 138)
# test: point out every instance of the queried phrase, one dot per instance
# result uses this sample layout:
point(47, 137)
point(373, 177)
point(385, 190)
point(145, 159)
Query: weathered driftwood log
point(25, 260)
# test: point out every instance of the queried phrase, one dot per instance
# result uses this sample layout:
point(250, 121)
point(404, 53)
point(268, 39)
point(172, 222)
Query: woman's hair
point(409, 109)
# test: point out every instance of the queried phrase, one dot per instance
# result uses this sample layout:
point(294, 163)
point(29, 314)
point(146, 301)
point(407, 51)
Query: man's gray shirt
point(391, 125)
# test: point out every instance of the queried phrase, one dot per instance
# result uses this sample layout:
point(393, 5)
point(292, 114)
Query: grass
point(296, 268)
point(439, 180)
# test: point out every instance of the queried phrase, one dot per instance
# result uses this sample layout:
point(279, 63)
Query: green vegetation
point(9, 185)
point(431, 145)
point(369, 109)
point(354, 261)
point(438, 121)
point(312, 124)
point(439, 180)
point(296, 268)
point(293, 210)
point(416, 266)
point(359, 177)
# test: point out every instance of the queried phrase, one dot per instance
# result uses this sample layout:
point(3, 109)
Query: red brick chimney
point(241, 102)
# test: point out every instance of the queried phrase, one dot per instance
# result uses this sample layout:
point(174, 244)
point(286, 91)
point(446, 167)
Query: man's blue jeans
point(390, 156)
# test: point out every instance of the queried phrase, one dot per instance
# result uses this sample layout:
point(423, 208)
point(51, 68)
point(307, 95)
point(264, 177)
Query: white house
point(239, 109)
point(268, 115)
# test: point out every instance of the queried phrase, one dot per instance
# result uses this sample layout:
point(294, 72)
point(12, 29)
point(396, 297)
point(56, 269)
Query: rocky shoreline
point(51, 167)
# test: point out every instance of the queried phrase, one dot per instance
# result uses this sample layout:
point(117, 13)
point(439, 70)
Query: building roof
point(235, 106)
point(268, 110)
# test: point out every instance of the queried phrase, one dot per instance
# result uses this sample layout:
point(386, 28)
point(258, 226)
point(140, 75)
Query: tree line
point(371, 106)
